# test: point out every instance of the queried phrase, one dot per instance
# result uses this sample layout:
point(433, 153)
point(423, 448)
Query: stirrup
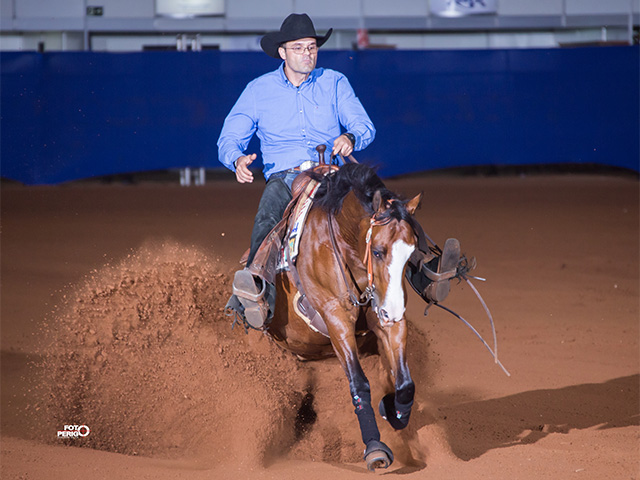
point(447, 269)
point(251, 298)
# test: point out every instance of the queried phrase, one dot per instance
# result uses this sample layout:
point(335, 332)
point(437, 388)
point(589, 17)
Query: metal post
point(85, 26)
point(200, 179)
point(183, 42)
point(185, 177)
point(630, 22)
point(196, 43)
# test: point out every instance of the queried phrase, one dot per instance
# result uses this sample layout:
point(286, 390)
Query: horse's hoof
point(386, 407)
point(377, 455)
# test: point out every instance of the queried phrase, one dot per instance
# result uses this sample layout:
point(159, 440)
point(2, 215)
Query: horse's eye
point(377, 254)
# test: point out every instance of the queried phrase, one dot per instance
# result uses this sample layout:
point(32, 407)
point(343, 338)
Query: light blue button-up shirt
point(292, 121)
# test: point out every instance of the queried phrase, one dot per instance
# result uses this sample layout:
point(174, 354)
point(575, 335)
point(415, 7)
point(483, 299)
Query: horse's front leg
point(396, 407)
point(377, 454)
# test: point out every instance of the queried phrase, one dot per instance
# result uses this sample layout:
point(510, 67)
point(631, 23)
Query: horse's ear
point(414, 203)
point(376, 203)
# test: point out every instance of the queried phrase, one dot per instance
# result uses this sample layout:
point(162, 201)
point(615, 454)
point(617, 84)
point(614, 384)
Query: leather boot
point(438, 290)
point(251, 293)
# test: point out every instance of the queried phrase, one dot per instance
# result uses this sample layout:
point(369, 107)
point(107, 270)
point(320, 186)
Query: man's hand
point(243, 174)
point(342, 146)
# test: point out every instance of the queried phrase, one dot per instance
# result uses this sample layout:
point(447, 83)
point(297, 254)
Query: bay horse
point(357, 240)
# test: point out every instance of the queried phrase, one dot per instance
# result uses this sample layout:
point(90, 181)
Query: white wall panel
point(529, 7)
point(189, 8)
point(259, 8)
point(328, 8)
point(378, 8)
point(522, 40)
point(591, 7)
point(515, 24)
point(11, 43)
point(125, 8)
point(6, 9)
point(51, 8)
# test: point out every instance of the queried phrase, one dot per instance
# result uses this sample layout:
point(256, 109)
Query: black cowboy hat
point(294, 27)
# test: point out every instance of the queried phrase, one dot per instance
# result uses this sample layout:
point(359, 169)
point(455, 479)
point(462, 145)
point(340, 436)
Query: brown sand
point(112, 301)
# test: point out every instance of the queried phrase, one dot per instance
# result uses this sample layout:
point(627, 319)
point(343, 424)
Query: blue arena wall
point(67, 116)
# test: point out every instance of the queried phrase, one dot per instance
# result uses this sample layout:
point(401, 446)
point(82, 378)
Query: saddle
point(274, 255)
point(265, 262)
point(429, 269)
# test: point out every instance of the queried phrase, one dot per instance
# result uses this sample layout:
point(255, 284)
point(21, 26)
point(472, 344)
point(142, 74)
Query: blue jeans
point(287, 176)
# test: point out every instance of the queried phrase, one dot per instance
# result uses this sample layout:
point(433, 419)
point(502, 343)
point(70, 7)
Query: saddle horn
point(321, 148)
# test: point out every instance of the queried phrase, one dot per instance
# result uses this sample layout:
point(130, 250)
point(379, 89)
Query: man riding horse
point(293, 110)
point(344, 274)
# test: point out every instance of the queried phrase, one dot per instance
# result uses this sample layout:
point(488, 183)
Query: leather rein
point(367, 295)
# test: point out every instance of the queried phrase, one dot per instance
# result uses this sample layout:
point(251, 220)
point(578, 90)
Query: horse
point(357, 240)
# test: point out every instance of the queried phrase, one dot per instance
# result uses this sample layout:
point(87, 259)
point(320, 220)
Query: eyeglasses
point(299, 49)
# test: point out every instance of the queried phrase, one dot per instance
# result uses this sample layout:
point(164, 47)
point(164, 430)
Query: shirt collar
point(312, 76)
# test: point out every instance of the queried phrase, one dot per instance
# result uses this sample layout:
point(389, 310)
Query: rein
point(367, 295)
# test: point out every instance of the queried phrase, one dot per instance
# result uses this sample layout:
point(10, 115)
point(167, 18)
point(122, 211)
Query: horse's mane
point(363, 181)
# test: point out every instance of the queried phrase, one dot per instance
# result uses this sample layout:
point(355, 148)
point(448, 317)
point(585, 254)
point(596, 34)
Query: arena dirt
point(112, 317)
point(146, 355)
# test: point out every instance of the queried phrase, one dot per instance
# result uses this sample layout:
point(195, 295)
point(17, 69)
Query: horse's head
point(376, 226)
point(390, 241)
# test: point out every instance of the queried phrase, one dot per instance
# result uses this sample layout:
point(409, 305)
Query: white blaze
point(394, 300)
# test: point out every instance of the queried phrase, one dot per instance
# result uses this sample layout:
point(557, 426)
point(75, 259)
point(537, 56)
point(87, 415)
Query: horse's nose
point(383, 314)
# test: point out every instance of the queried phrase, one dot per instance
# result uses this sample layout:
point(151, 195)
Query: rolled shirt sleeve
point(353, 116)
point(238, 128)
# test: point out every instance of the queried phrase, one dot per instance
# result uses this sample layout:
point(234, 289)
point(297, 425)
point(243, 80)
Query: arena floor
point(112, 299)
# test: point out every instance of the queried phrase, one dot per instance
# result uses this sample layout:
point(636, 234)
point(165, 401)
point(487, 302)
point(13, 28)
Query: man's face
point(300, 55)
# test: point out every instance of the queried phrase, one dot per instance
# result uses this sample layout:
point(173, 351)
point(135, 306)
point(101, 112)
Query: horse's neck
point(350, 219)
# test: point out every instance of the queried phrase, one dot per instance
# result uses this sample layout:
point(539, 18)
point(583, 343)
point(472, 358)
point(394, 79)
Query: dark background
point(68, 116)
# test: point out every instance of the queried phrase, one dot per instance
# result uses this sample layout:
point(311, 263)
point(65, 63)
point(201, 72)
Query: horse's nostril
point(383, 313)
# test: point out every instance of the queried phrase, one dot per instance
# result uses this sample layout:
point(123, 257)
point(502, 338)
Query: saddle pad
point(300, 217)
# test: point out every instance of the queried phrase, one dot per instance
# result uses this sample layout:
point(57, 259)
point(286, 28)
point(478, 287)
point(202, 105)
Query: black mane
point(364, 182)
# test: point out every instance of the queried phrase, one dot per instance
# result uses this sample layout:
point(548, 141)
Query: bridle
point(367, 295)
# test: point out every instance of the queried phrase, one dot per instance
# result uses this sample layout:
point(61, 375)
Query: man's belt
point(306, 165)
